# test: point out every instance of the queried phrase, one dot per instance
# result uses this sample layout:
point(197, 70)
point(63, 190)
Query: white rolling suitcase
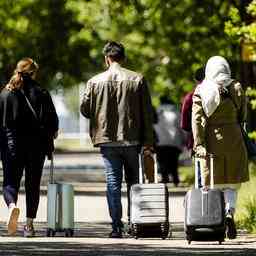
point(60, 207)
point(149, 208)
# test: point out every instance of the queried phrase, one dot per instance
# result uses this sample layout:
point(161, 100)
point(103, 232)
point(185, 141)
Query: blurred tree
point(241, 28)
point(41, 30)
point(167, 40)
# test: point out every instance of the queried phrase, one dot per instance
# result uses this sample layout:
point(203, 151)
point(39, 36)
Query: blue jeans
point(116, 159)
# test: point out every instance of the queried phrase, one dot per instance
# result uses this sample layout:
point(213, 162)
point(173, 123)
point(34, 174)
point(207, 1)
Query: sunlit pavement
point(91, 239)
point(93, 223)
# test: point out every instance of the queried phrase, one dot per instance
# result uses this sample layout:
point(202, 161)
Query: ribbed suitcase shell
point(149, 210)
point(149, 203)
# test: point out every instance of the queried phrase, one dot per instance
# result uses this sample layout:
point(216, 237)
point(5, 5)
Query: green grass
point(186, 174)
point(246, 203)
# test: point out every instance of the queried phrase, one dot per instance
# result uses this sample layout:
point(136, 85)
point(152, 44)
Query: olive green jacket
point(220, 134)
point(118, 104)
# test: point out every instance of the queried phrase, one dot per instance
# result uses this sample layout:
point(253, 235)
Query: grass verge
point(246, 204)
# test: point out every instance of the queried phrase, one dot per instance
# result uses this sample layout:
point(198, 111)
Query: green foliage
point(246, 204)
point(165, 40)
point(41, 30)
point(241, 27)
point(249, 218)
point(187, 175)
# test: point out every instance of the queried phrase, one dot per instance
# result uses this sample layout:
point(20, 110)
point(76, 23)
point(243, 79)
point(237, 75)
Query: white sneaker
point(13, 220)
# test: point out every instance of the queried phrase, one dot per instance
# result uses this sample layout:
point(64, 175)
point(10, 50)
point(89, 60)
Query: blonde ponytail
point(25, 66)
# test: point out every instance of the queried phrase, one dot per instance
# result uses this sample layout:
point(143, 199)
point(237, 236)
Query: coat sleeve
point(53, 120)
point(85, 107)
point(198, 120)
point(10, 106)
point(147, 114)
point(240, 101)
point(185, 121)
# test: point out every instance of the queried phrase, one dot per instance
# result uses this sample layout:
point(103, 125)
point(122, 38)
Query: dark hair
point(114, 50)
point(199, 74)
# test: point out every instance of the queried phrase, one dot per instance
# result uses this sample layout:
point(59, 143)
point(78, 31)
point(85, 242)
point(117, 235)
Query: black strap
point(243, 124)
point(4, 114)
point(31, 107)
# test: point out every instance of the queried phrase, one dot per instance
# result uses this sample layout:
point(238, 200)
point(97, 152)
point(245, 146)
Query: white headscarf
point(217, 74)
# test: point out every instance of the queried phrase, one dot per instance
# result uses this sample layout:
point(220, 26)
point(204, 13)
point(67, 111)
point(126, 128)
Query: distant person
point(118, 104)
point(29, 124)
point(169, 140)
point(186, 109)
point(219, 107)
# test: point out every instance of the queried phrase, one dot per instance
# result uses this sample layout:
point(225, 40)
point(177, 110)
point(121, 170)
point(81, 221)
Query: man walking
point(118, 104)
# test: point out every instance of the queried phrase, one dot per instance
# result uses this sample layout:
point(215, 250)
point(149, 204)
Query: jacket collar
point(114, 65)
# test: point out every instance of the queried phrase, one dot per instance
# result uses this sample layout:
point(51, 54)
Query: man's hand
point(148, 150)
point(201, 151)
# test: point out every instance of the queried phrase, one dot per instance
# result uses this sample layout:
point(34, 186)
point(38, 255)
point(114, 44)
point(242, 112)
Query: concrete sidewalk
point(91, 205)
point(92, 222)
point(90, 239)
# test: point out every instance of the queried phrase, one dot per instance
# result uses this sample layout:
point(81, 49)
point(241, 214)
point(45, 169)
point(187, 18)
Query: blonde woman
point(219, 107)
point(29, 124)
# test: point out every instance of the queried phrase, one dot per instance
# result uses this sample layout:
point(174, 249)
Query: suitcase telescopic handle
point(155, 169)
point(199, 182)
point(51, 170)
point(141, 168)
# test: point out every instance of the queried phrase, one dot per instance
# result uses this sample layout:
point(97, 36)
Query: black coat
point(21, 130)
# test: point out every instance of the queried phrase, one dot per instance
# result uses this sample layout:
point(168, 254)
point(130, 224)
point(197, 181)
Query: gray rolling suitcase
point(149, 208)
point(204, 210)
point(60, 207)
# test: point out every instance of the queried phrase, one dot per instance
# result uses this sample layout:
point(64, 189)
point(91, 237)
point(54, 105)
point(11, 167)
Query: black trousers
point(167, 158)
point(13, 167)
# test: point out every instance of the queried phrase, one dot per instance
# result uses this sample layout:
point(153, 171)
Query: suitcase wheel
point(221, 240)
point(69, 232)
point(50, 232)
point(189, 238)
point(135, 231)
point(164, 230)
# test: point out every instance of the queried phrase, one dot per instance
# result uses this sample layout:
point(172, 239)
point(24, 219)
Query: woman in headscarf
point(219, 107)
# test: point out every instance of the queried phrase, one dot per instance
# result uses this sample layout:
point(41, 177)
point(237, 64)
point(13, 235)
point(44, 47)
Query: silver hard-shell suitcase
point(204, 210)
point(149, 208)
point(60, 207)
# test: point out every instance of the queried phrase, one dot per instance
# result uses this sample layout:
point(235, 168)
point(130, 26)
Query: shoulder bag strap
point(242, 125)
point(30, 106)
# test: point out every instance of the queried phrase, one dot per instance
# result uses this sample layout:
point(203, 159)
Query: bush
point(248, 219)
point(246, 204)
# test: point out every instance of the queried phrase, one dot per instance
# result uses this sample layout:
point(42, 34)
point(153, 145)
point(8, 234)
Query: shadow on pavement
point(91, 239)
point(53, 248)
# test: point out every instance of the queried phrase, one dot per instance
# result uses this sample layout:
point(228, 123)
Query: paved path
point(91, 205)
point(92, 222)
point(92, 228)
point(90, 239)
